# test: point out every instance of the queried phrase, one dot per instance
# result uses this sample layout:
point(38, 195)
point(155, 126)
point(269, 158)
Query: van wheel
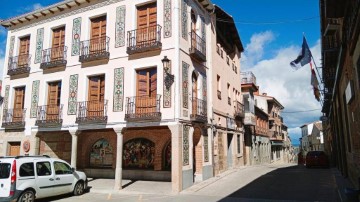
point(27, 196)
point(79, 189)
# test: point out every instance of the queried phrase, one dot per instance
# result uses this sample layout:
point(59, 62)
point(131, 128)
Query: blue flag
point(303, 58)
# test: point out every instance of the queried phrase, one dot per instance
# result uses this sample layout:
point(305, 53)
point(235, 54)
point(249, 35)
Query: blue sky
point(271, 32)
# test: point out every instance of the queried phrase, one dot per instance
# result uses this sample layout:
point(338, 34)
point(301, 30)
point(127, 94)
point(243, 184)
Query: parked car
point(26, 178)
point(316, 158)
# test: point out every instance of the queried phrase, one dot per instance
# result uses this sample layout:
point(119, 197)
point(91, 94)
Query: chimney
point(257, 91)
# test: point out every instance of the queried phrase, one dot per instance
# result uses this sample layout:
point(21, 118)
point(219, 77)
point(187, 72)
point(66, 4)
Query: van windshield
point(4, 170)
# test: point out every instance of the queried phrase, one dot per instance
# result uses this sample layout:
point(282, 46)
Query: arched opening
point(101, 154)
point(167, 156)
point(139, 153)
point(197, 152)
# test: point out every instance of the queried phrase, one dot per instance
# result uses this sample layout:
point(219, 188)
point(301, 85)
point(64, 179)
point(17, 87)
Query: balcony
point(53, 57)
point(248, 78)
point(144, 39)
point(94, 49)
point(198, 47)
point(13, 118)
point(239, 110)
point(219, 94)
point(19, 65)
point(143, 108)
point(49, 116)
point(92, 112)
point(199, 110)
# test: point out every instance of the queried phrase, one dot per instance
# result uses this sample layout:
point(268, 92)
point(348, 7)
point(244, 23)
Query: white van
point(24, 178)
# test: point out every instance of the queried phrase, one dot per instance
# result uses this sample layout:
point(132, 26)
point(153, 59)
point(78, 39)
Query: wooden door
point(53, 107)
point(194, 94)
point(24, 51)
point(96, 96)
point(58, 44)
point(18, 104)
point(146, 24)
point(98, 35)
point(146, 91)
point(14, 149)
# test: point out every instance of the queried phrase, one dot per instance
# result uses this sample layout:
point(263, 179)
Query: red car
point(317, 159)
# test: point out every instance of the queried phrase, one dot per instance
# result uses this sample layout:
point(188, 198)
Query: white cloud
point(276, 78)
point(30, 8)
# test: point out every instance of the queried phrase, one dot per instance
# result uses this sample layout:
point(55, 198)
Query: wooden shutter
point(24, 51)
point(58, 43)
point(54, 90)
point(98, 34)
point(153, 82)
point(146, 23)
point(146, 91)
point(18, 104)
point(96, 96)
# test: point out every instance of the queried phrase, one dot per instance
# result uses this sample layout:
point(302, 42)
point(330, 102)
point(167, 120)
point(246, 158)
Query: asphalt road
point(255, 183)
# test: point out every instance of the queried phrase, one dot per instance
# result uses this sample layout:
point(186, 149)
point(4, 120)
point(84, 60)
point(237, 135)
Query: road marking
point(109, 196)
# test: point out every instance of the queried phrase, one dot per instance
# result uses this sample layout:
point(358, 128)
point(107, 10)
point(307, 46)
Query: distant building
point(312, 137)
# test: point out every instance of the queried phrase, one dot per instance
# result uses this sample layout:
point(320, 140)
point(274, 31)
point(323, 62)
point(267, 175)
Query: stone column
point(74, 142)
point(176, 157)
point(35, 144)
point(119, 154)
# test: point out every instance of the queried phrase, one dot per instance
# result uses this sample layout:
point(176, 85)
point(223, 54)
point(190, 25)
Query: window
point(19, 98)
point(24, 51)
point(218, 49)
point(228, 60)
point(147, 82)
point(98, 34)
point(222, 54)
point(54, 93)
point(62, 168)
point(4, 170)
point(218, 87)
point(43, 168)
point(238, 144)
point(96, 96)
point(58, 43)
point(26, 170)
point(146, 18)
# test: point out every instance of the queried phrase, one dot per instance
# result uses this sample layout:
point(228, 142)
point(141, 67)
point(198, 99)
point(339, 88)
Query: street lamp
point(166, 64)
point(169, 78)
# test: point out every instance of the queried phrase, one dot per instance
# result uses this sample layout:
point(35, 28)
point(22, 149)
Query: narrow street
point(255, 183)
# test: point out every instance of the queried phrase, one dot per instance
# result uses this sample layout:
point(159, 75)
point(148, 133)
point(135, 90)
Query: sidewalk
point(342, 183)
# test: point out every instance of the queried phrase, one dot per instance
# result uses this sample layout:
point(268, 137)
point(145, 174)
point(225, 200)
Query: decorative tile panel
point(76, 33)
point(185, 84)
point(39, 44)
point(34, 98)
point(206, 148)
point(184, 19)
point(6, 98)
point(167, 18)
point(167, 91)
point(118, 89)
point(73, 90)
point(12, 44)
point(203, 28)
point(120, 26)
point(204, 86)
point(186, 145)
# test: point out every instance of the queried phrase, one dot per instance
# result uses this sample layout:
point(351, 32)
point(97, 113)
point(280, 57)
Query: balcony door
point(58, 43)
point(146, 91)
point(24, 51)
point(194, 94)
point(98, 35)
point(193, 29)
point(19, 104)
point(146, 24)
point(95, 105)
point(54, 93)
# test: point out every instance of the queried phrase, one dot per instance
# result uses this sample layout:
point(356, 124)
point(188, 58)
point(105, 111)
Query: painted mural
point(139, 154)
point(101, 154)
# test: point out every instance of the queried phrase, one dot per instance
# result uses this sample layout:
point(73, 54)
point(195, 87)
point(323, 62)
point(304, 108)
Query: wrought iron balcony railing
point(199, 110)
point(198, 47)
point(89, 112)
point(53, 57)
point(144, 39)
point(143, 108)
point(49, 116)
point(248, 78)
point(219, 94)
point(13, 118)
point(19, 65)
point(239, 109)
point(94, 49)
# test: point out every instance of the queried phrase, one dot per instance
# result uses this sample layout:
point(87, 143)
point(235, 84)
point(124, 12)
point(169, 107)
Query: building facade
point(120, 89)
point(340, 47)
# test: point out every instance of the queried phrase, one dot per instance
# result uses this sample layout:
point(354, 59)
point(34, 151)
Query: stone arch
point(139, 153)
point(101, 154)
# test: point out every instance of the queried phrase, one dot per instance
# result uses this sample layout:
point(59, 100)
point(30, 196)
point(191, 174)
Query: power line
point(301, 111)
point(268, 22)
